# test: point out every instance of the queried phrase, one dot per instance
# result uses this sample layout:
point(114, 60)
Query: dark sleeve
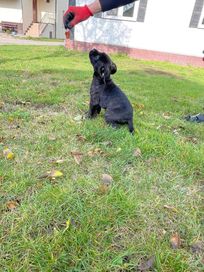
point(108, 4)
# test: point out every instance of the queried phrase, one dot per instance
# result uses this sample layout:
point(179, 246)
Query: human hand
point(75, 15)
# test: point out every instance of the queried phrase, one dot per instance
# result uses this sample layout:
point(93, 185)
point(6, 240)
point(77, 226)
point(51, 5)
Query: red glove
point(75, 15)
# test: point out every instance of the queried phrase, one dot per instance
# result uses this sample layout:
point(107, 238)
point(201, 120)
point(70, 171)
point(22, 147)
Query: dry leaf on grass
point(106, 182)
point(81, 138)
point(95, 152)
point(138, 106)
point(78, 156)
point(166, 115)
point(57, 161)
point(12, 205)
point(146, 265)
point(173, 209)
point(175, 241)
point(190, 139)
point(8, 154)
point(53, 174)
point(137, 152)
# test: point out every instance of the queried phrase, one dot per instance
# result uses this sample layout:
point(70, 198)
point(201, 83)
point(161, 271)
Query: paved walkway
point(8, 39)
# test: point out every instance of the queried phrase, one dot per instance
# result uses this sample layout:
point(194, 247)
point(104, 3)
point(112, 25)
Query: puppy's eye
point(97, 57)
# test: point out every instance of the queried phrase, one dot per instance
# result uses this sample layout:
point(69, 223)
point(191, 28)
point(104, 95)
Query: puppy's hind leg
point(130, 126)
point(110, 122)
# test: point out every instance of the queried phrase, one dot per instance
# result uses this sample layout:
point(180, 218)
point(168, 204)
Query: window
point(127, 12)
point(201, 21)
point(197, 15)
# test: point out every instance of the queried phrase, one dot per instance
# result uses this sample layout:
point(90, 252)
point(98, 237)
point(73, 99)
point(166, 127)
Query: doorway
point(35, 15)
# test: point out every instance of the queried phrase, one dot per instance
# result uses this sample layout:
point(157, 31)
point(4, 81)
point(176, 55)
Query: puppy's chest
point(95, 93)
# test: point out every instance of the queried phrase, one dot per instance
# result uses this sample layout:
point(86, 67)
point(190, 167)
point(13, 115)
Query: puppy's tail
point(130, 126)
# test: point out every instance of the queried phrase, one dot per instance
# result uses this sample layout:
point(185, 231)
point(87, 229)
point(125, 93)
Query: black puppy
point(105, 94)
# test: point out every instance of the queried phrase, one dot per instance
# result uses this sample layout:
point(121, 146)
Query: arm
point(84, 12)
point(107, 4)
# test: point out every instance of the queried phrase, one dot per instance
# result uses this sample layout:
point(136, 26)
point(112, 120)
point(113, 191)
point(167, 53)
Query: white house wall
point(27, 7)
point(10, 11)
point(166, 29)
point(44, 7)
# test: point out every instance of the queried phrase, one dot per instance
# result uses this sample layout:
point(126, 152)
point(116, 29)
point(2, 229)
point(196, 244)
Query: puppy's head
point(102, 64)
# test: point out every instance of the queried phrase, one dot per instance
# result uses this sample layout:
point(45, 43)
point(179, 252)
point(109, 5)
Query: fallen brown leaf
point(166, 115)
point(190, 139)
point(170, 208)
point(175, 241)
point(81, 138)
point(95, 152)
point(138, 106)
point(57, 161)
point(147, 265)
point(103, 189)
point(137, 152)
point(12, 205)
point(78, 156)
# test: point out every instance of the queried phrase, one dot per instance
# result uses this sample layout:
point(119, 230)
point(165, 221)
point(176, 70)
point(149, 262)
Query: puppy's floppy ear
point(113, 68)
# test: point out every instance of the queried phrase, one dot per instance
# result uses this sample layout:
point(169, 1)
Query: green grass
point(42, 91)
point(42, 39)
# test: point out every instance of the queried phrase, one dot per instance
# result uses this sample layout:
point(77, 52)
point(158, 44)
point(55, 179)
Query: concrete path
point(8, 39)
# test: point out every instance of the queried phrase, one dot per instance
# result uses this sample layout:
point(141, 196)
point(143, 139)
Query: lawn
point(151, 212)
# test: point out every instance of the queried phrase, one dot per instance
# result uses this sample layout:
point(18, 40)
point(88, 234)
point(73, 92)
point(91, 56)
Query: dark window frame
point(197, 13)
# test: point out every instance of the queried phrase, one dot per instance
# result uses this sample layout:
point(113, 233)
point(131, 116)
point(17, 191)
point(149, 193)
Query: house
point(169, 30)
point(34, 17)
